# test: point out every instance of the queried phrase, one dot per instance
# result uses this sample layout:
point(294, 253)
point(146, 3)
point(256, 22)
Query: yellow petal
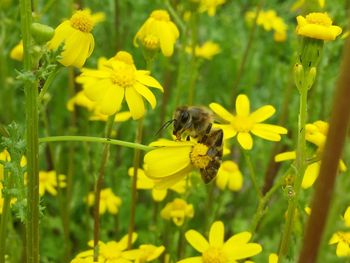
point(197, 241)
point(111, 101)
point(227, 129)
point(158, 195)
point(242, 105)
point(235, 182)
point(146, 93)
point(135, 103)
point(221, 112)
point(310, 175)
point(245, 140)
point(170, 181)
point(263, 113)
point(285, 156)
point(216, 234)
point(166, 39)
point(343, 249)
point(347, 217)
point(191, 260)
point(267, 135)
point(273, 258)
point(245, 251)
point(334, 239)
point(147, 80)
point(270, 128)
point(237, 240)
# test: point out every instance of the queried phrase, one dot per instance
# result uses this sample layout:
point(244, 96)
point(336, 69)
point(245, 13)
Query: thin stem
point(31, 96)
point(95, 139)
point(180, 243)
point(4, 218)
point(252, 174)
point(137, 155)
point(99, 185)
point(246, 51)
point(47, 84)
point(329, 164)
point(194, 66)
point(300, 168)
point(177, 19)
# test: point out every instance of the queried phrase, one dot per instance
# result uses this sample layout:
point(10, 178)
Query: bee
point(196, 122)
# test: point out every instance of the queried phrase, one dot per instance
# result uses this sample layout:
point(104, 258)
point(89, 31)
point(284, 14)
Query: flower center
point(242, 124)
point(123, 75)
point(160, 15)
point(199, 157)
point(110, 251)
point(151, 42)
point(319, 19)
point(82, 20)
point(344, 237)
point(214, 255)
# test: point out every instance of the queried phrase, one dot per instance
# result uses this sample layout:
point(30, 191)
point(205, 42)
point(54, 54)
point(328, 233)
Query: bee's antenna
point(165, 125)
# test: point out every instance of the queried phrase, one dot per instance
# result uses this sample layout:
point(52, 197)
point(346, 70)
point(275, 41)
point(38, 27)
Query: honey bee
point(196, 122)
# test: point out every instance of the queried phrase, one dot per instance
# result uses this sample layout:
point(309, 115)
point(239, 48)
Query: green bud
point(41, 33)
point(310, 53)
point(299, 76)
point(310, 77)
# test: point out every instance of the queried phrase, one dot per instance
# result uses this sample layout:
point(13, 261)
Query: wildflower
point(229, 176)
point(244, 122)
point(316, 133)
point(48, 182)
point(13, 200)
point(216, 250)
point(119, 78)
point(76, 37)
point(158, 195)
point(269, 20)
point(109, 252)
point(158, 32)
point(207, 51)
point(17, 51)
point(172, 161)
point(342, 238)
point(4, 157)
point(177, 210)
point(145, 253)
point(210, 6)
point(108, 201)
point(318, 26)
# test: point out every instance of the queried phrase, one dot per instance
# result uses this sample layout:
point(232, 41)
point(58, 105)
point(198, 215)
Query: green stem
point(99, 185)
point(175, 16)
point(47, 84)
point(4, 218)
point(137, 155)
point(300, 168)
point(194, 67)
point(96, 139)
point(31, 97)
point(252, 174)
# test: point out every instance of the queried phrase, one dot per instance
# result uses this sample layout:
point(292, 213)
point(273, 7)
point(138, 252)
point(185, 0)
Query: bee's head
point(182, 121)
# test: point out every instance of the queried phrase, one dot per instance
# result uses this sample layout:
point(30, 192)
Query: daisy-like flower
point(207, 51)
point(48, 182)
point(177, 211)
point(316, 133)
point(145, 253)
point(118, 79)
point(172, 161)
point(158, 32)
point(210, 6)
point(108, 201)
point(318, 26)
point(16, 52)
point(158, 195)
point(229, 176)
point(109, 252)
point(244, 123)
point(76, 37)
point(216, 250)
point(341, 238)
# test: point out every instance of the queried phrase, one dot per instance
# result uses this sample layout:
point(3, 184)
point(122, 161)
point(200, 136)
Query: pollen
point(319, 18)
point(82, 20)
point(242, 124)
point(214, 255)
point(150, 42)
point(160, 15)
point(199, 157)
point(124, 77)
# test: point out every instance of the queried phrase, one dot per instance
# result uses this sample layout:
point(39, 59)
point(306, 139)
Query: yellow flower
point(177, 211)
point(316, 133)
point(48, 182)
point(244, 122)
point(342, 238)
point(145, 253)
point(158, 32)
point(229, 176)
point(299, 3)
point(119, 78)
point(318, 26)
point(109, 252)
point(210, 6)
point(206, 51)
point(76, 37)
point(108, 201)
point(158, 195)
point(17, 51)
point(5, 157)
point(13, 200)
point(269, 20)
point(216, 250)
point(173, 160)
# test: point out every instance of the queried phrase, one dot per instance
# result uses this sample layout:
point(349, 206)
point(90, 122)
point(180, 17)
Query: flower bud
point(310, 77)
point(41, 33)
point(299, 77)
